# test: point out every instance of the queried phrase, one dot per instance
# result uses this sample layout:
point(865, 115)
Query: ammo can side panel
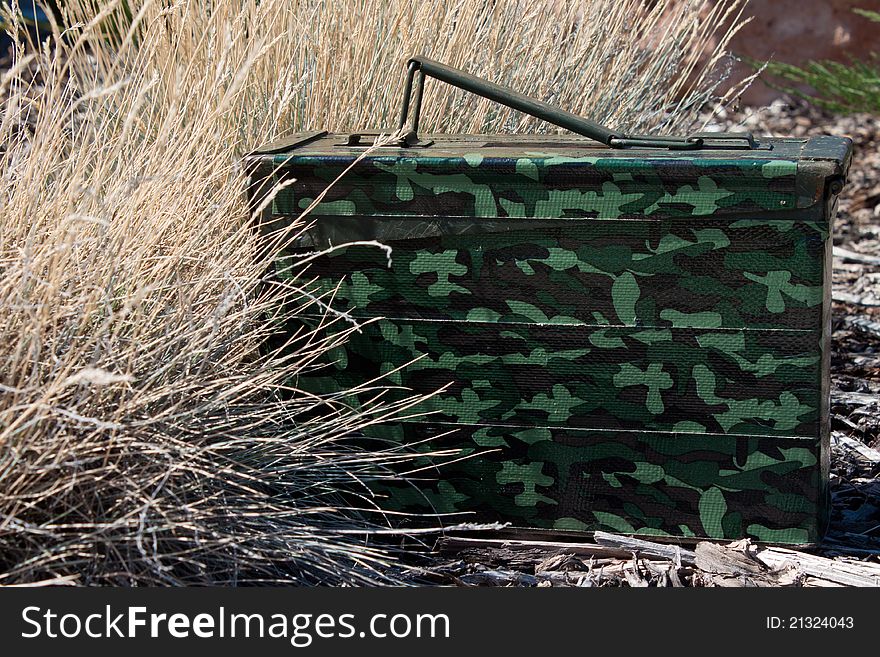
point(666, 300)
point(829, 210)
point(618, 378)
point(825, 384)
point(533, 213)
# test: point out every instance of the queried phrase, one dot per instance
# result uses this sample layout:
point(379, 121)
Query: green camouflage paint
point(537, 185)
point(625, 340)
point(523, 375)
point(664, 483)
point(667, 273)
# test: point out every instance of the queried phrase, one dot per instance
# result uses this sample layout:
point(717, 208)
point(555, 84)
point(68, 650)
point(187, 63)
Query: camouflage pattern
point(673, 484)
point(621, 378)
point(669, 274)
point(538, 185)
point(632, 341)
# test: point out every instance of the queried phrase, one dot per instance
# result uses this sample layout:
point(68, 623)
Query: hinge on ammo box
point(366, 139)
point(696, 141)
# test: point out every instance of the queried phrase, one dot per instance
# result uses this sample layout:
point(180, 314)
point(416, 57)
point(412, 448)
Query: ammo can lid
point(789, 173)
point(717, 145)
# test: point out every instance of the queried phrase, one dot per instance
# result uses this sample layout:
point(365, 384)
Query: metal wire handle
point(537, 108)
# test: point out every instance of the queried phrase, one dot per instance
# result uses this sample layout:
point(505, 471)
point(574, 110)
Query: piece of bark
point(855, 544)
point(502, 557)
point(862, 325)
point(498, 578)
point(848, 444)
point(674, 553)
point(560, 562)
point(847, 398)
point(675, 579)
point(732, 581)
point(719, 560)
point(634, 579)
point(456, 544)
point(622, 571)
point(734, 566)
point(665, 574)
point(612, 569)
point(814, 582)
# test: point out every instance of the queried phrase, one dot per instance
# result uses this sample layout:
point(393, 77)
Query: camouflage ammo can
point(631, 333)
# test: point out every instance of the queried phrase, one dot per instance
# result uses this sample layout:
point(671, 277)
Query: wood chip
point(456, 544)
point(735, 566)
point(855, 299)
point(498, 578)
point(854, 398)
point(853, 256)
point(841, 571)
point(862, 325)
point(850, 445)
point(559, 562)
point(725, 561)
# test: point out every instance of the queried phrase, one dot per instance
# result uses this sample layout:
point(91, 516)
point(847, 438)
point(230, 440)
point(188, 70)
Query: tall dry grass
point(144, 436)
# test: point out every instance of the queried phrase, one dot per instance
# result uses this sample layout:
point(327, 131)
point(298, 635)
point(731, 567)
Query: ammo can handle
point(540, 110)
point(499, 94)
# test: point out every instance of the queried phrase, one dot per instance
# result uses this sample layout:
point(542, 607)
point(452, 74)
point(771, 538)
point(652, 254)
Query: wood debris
point(739, 564)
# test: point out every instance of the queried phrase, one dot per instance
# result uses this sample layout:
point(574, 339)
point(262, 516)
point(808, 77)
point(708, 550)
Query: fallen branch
point(734, 566)
point(541, 549)
point(847, 398)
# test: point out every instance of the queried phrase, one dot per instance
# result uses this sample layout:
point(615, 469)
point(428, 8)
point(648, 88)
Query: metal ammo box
point(630, 333)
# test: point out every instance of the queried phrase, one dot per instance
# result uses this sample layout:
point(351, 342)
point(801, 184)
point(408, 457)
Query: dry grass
point(143, 438)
